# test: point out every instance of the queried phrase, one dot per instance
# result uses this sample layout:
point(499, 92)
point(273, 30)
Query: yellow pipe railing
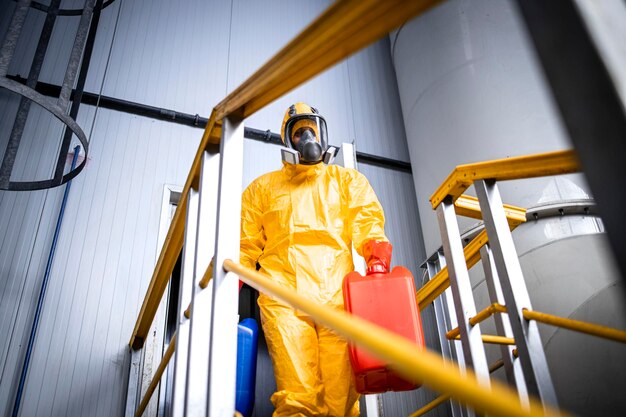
point(576, 325)
point(481, 316)
point(528, 166)
point(344, 28)
point(157, 377)
point(488, 338)
point(442, 398)
point(404, 357)
point(468, 206)
point(160, 277)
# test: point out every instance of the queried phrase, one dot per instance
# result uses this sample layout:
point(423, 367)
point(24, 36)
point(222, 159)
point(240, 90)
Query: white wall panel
point(166, 54)
point(107, 250)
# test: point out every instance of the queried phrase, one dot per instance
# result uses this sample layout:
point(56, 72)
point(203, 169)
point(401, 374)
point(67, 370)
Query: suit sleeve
point(252, 233)
point(365, 212)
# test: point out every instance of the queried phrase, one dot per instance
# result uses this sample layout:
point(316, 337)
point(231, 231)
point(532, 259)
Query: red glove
point(377, 254)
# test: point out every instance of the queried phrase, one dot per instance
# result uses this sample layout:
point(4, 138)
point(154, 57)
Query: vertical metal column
point(202, 299)
point(186, 288)
point(512, 366)
point(471, 338)
point(373, 402)
point(529, 347)
point(133, 396)
point(445, 317)
point(444, 312)
point(223, 353)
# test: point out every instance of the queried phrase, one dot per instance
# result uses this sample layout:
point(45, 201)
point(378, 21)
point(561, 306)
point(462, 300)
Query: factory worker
point(299, 225)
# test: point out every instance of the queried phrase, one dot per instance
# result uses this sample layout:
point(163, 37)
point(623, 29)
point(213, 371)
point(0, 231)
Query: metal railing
point(206, 223)
point(522, 351)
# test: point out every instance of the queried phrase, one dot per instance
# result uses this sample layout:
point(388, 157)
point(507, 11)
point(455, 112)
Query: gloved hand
point(377, 254)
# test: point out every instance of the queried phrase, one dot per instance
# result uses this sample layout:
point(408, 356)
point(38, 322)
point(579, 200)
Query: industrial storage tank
point(471, 90)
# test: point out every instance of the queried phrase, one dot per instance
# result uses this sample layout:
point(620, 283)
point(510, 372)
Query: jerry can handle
point(377, 268)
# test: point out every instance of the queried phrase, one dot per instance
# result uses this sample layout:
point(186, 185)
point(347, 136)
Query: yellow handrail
point(157, 376)
point(403, 356)
point(529, 166)
point(165, 265)
point(468, 206)
point(488, 338)
point(344, 28)
point(442, 398)
point(576, 325)
point(479, 317)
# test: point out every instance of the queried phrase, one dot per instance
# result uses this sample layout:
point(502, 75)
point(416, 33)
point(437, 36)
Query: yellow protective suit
point(299, 224)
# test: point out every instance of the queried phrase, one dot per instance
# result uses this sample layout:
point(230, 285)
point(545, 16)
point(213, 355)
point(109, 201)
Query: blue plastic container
point(247, 344)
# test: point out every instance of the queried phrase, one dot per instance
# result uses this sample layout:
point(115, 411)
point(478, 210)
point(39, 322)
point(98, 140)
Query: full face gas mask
point(305, 137)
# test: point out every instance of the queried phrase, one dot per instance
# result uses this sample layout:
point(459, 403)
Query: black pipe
point(381, 161)
point(42, 293)
point(263, 135)
point(196, 121)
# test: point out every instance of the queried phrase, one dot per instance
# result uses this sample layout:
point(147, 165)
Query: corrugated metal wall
point(183, 56)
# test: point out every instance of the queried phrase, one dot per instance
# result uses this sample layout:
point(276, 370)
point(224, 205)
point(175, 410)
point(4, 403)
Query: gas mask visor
point(307, 140)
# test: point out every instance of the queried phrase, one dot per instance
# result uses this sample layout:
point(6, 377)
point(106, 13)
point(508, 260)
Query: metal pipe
point(42, 293)
point(576, 325)
point(157, 376)
point(427, 367)
point(193, 120)
point(492, 339)
point(486, 313)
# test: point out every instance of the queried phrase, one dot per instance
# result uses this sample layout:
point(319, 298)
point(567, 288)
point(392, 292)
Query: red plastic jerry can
point(387, 300)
